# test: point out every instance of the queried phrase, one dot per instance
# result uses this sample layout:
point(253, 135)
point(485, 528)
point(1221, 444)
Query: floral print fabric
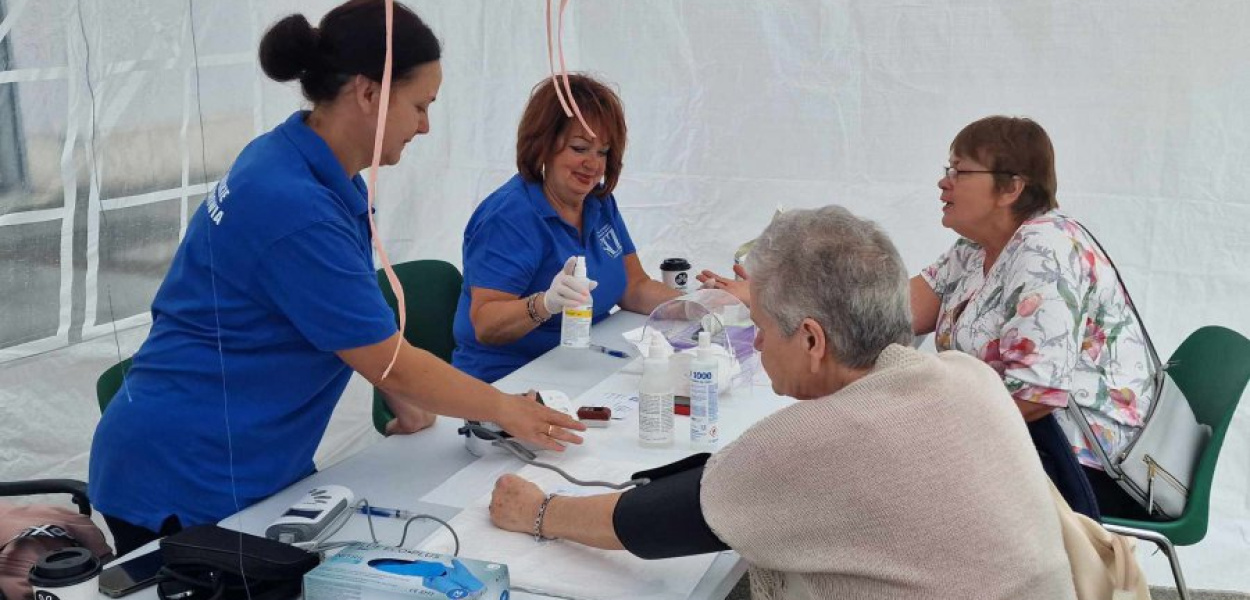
point(1051, 318)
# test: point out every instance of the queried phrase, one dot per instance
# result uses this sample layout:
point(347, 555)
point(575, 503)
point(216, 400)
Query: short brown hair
point(1019, 146)
point(544, 124)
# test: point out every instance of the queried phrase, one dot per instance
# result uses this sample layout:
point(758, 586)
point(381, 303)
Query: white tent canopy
point(114, 115)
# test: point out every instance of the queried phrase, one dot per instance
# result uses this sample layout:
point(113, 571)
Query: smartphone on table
point(133, 575)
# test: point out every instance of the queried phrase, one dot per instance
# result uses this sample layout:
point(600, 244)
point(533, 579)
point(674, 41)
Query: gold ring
point(549, 426)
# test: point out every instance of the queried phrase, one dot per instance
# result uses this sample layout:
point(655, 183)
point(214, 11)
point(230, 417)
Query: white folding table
point(399, 471)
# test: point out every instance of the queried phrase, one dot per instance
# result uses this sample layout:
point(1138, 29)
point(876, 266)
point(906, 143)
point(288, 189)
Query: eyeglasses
point(953, 174)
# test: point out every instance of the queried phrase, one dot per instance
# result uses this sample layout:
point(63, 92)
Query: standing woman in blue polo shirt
point(518, 244)
point(271, 301)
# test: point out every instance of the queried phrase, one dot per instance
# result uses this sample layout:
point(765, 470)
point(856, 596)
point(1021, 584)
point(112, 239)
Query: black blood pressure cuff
point(663, 518)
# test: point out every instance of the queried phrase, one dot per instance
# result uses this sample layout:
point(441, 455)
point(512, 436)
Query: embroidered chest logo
point(609, 240)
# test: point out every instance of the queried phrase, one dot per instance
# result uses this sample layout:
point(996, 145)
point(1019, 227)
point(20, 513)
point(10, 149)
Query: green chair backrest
point(431, 293)
point(1212, 367)
point(110, 381)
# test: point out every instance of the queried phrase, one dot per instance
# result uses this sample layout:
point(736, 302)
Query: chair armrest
point(73, 487)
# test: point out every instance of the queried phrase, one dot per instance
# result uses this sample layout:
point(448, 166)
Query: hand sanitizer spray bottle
point(575, 327)
point(655, 398)
point(704, 411)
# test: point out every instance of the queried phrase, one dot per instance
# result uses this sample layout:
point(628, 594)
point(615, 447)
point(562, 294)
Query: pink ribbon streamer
point(551, 65)
point(373, 183)
point(568, 90)
point(570, 109)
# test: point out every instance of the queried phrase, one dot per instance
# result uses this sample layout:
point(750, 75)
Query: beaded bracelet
point(538, 520)
point(532, 308)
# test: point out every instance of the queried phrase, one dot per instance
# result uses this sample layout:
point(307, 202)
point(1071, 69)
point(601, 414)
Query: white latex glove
point(566, 290)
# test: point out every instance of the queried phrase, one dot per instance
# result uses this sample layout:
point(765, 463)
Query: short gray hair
point(841, 271)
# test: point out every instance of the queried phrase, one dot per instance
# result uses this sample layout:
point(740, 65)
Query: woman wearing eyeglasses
point(1027, 291)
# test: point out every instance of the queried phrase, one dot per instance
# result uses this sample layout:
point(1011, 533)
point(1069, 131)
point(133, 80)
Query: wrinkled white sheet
point(563, 569)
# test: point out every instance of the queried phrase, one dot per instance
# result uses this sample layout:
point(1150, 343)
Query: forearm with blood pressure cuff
point(663, 519)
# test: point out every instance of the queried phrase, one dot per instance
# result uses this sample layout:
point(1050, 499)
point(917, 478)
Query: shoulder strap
point(1154, 356)
point(1082, 421)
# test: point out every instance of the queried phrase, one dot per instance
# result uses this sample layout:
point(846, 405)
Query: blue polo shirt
point(515, 243)
point(232, 390)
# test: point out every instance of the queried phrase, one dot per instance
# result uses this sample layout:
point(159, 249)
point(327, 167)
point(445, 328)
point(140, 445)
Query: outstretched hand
point(740, 288)
point(529, 421)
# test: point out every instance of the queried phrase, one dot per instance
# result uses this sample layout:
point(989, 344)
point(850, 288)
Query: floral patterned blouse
point(1051, 318)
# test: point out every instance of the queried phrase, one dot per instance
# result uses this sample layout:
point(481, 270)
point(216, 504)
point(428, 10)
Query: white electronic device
point(308, 517)
point(557, 400)
point(480, 434)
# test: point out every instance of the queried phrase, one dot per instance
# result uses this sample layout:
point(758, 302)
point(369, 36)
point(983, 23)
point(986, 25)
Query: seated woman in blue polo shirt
point(518, 244)
point(271, 300)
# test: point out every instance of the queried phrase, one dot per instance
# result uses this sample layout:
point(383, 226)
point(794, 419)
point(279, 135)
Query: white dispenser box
point(376, 572)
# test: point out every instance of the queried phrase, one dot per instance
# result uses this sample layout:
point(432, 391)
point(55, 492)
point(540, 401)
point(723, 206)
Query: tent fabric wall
point(734, 108)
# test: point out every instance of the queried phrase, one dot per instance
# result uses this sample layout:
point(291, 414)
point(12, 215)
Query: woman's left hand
point(514, 504)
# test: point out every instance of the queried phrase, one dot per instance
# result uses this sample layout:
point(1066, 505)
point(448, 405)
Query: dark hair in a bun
point(351, 40)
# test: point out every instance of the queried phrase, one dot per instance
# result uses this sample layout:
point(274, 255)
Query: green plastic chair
point(1212, 367)
point(110, 381)
point(431, 293)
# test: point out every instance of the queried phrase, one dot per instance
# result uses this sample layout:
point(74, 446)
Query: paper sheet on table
point(622, 404)
point(565, 569)
point(478, 475)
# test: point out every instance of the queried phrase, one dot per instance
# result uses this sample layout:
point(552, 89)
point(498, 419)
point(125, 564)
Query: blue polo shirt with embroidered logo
point(232, 390)
point(515, 243)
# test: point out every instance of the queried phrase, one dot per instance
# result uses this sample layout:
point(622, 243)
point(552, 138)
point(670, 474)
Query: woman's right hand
point(566, 290)
point(527, 420)
point(740, 288)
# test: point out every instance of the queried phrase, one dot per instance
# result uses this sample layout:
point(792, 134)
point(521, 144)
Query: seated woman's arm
point(501, 318)
point(583, 519)
point(1045, 333)
point(661, 519)
point(642, 293)
point(925, 305)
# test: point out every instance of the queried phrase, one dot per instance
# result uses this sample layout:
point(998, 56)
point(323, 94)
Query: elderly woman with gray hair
point(878, 484)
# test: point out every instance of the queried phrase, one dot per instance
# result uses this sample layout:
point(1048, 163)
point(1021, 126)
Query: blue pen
point(608, 351)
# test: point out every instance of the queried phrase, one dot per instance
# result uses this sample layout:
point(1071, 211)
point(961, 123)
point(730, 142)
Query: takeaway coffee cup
point(676, 273)
point(66, 574)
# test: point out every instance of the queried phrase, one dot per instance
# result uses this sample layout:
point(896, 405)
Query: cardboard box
point(376, 572)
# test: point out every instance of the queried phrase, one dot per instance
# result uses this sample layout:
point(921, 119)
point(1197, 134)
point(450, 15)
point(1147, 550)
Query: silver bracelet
point(538, 520)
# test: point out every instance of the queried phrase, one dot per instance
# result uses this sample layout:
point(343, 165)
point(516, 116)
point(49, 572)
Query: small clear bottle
point(655, 398)
point(704, 409)
point(575, 326)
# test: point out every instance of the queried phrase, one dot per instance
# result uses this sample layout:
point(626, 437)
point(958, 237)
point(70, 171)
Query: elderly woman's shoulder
point(950, 365)
point(1051, 232)
point(1050, 225)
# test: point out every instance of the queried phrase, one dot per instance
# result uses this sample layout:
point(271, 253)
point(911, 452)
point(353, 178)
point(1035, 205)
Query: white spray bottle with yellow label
point(575, 327)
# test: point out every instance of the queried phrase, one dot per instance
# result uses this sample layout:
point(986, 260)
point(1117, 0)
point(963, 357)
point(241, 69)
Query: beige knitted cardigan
point(917, 481)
